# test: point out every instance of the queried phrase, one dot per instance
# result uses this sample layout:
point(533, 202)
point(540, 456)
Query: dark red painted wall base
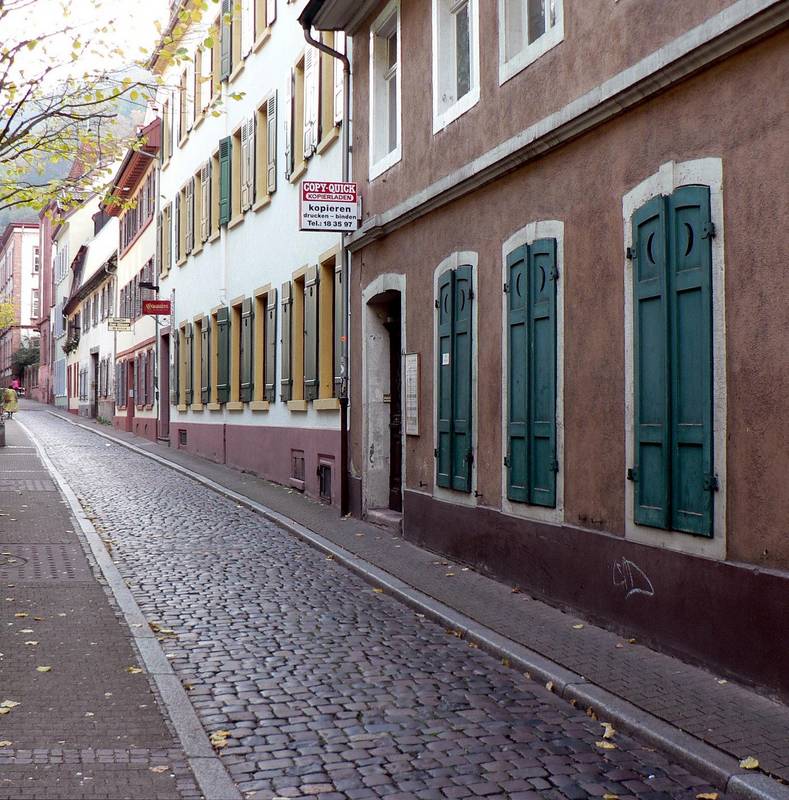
point(723, 615)
point(265, 451)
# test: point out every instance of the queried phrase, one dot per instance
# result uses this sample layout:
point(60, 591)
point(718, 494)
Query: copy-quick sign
point(328, 206)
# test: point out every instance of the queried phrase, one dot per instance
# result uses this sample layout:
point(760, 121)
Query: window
point(95, 309)
point(203, 332)
point(36, 260)
point(165, 248)
point(531, 301)
point(247, 165)
point(331, 86)
point(137, 217)
point(225, 179)
point(215, 176)
point(527, 30)
point(265, 150)
point(214, 34)
point(385, 90)
point(222, 354)
point(454, 442)
point(237, 179)
point(241, 342)
point(204, 183)
point(199, 365)
point(167, 138)
point(225, 40)
point(302, 113)
point(35, 309)
point(455, 59)
point(265, 15)
point(673, 474)
point(197, 92)
point(183, 109)
point(264, 350)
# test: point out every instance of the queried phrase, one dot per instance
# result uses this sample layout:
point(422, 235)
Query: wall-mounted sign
point(156, 307)
point(328, 206)
point(119, 324)
point(412, 394)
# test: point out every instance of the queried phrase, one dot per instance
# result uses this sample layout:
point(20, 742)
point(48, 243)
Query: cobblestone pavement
point(327, 687)
point(74, 722)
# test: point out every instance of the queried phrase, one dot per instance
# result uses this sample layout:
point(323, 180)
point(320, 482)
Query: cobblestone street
point(326, 686)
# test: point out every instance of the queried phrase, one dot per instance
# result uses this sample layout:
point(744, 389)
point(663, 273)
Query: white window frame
point(381, 165)
point(670, 176)
point(529, 53)
point(443, 115)
point(544, 229)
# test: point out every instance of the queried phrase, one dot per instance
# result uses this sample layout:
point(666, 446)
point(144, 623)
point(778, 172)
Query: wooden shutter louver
point(247, 163)
point(271, 143)
point(205, 201)
point(462, 452)
point(189, 362)
point(288, 122)
point(205, 360)
point(446, 284)
point(270, 334)
point(338, 332)
point(311, 105)
point(247, 354)
point(286, 349)
point(225, 153)
point(177, 227)
point(226, 40)
point(311, 377)
point(223, 354)
point(190, 215)
point(247, 26)
point(339, 78)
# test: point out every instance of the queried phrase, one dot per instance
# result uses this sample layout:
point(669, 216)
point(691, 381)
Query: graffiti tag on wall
point(632, 578)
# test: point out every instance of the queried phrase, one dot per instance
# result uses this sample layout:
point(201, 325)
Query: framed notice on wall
point(412, 394)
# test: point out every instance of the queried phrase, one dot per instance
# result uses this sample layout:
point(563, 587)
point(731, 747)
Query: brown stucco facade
point(717, 607)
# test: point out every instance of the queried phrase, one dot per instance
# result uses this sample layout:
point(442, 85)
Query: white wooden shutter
point(247, 26)
point(271, 143)
point(339, 82)
point(190, 98)
point(205, 201)
point(247, 163)
point(288, 117)
point(190, 217)
point(206, 67)
point(271, 11)
point(311, 85)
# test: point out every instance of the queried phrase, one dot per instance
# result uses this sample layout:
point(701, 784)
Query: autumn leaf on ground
point(43, 669)
point(26, 630)
point(578, 626)
point(609, 730)
point(749, 763)
point(133, 670)
point(20, 614)
point(219, 739)
point(4, 711)
point(707, 796)
point(9, 704)
point(549, 686)
point(609, 796)
point(606, 745)
point(158, 770)
point(378, 591)
point(590, 713)
point(31, 642)
point(5, 743)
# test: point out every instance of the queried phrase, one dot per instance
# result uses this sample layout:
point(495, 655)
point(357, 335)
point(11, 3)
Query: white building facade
point(255, 334)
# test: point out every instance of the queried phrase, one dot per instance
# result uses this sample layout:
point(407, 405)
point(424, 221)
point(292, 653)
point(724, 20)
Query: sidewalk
point(709, 722)
point(76, 723)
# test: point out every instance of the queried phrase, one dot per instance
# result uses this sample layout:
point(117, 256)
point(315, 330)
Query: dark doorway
point(163, 389)
point(392, 323)
point(130, 389)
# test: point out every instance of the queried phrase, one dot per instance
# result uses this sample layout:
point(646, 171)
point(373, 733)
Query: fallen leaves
point(609, 796)
point(43, 669)
point(578, 626)
point(603, 745)
point(749, 763)
point(609, 730)
point(31, 642)
point(133, 670)
point(549, 686)
point(6, 743)
point(9, 704)
point(219, 739)
point(707, 796)
point(158, 770)
point(378, 591)
point(20, 614)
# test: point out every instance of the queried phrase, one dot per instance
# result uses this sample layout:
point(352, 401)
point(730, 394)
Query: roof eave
point(337, 15)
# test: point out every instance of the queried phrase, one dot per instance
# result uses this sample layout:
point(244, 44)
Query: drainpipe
point(346, 266)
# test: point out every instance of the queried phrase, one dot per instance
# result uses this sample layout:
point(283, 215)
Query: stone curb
point(703, 759)
point(213, 779)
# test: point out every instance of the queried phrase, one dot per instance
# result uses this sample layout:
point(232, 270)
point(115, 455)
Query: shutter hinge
point(632, 474)
point(435, 452)
point(470, 294)
point(470, 456)
point(711, 483)
point(554, 466)
point(554, 274)
point(436, 303)
point(630, 253)
point(708, 230)
point(506, 288)
point(506, 461)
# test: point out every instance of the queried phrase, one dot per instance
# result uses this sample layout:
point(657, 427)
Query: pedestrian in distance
point(10, 402)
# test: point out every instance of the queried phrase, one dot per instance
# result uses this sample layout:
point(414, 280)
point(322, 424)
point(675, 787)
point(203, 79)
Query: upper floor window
point(385, 90)
point(455, 59)
point(36, 259)
point(527, 29)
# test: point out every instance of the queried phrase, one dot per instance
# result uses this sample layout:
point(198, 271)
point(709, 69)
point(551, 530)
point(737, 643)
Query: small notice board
point(412, 394)
point(327, 206)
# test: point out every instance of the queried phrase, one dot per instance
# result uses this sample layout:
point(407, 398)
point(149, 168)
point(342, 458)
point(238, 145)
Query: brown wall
point(716, 114)
point(601, 38)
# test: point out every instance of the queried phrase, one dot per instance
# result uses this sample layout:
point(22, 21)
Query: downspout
point(346, 266)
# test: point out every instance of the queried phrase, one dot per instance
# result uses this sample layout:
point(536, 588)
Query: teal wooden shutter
point(690, 301)
point(338, 331)
point(270, 332)
point(226, 41)
point(205, 361)
point(247, 324)
point(188, 334)
point(651, 367)
point(311, 383)
point(286, 381)
point(543, 275)
point(462, 453)
point(445, 304)
point(225, 150)
point(223, 355)
point(517, 360)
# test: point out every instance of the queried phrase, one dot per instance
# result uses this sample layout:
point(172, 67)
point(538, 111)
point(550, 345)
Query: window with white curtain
point(527, 30)
point(385, 92)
